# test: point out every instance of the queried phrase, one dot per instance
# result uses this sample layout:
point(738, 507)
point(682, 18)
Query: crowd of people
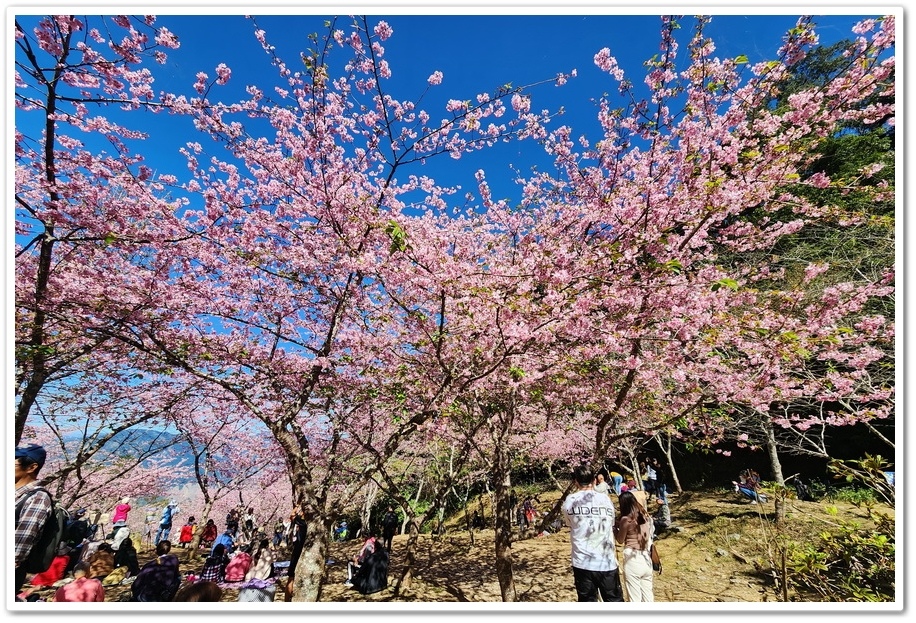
point(93, 555)
point(97, 550)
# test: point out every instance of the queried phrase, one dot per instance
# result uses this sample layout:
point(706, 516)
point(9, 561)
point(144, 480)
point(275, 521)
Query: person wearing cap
point(36, 507)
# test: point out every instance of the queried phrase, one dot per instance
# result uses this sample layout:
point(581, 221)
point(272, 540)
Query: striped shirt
point(32, 517)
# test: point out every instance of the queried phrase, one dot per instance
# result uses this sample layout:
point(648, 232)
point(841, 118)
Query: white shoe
point(348, 583)
point(753, 501)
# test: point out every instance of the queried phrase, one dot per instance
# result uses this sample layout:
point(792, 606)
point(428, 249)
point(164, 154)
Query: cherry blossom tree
point(315, 281)
point(84, 210)
point(665, 196)
point(289, 232)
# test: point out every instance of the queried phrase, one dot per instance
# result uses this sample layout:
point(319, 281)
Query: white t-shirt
point(590, 515)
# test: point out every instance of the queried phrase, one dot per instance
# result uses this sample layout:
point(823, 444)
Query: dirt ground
point(717, 552)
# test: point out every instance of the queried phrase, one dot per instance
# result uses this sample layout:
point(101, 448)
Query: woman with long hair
point(634, 532)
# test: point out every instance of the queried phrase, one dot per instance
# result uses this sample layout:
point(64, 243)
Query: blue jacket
point(226, 539)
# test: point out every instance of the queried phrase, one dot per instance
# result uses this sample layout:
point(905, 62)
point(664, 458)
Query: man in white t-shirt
point(590, 515)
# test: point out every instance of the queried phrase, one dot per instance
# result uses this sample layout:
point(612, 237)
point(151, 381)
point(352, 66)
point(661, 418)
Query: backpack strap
point(21, 502)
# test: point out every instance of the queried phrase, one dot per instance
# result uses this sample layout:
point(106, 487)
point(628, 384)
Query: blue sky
point(476, 53)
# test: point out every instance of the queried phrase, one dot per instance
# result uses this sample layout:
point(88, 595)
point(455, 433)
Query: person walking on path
point(32, 506)
point(590, 516)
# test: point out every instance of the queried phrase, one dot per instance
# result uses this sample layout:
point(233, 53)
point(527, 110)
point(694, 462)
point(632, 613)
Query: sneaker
point(753, 501)
point(348, 583)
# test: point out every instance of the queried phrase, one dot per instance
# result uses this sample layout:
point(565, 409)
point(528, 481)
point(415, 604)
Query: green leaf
point(741, 59)
point(398, 236)
point(725, 282)
point(674, 266)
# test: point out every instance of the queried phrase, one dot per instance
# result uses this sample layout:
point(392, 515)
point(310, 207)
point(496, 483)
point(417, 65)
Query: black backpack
point(45, 547)
point(76, 531)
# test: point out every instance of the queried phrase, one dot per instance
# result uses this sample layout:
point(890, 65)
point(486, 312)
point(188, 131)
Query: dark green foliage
point(847, 563)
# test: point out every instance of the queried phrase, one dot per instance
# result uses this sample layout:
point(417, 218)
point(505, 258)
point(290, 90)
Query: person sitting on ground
point(214, 569)
point(748, 485)
point(101, 563)
point(77, 529)
point(372, 574)
point(82, 588)
point(262, 562)
point(160, 578)
point(209, 534)
point(238, 566)
point(803, 491)
point(662, 516)
point(200, 591)
point(226, 540)
point(121, 534)
point(369, 546)
point(187, 532)
point(126, 556)
point(341, 532)
point(56, 571)
point(601, 485)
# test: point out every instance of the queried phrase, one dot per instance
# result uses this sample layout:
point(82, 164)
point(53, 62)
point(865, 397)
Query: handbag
point(656, 560)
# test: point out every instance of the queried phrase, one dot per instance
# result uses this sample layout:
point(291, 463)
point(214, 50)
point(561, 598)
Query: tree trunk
point(366, 515)
point(669, 459)
point(410, 559)
point(776, 467)
point(310, 571)
point(195, 542)
point(501, 423)
point(503, 538)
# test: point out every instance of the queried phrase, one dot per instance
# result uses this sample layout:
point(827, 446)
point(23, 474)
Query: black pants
point(589, 584)
point(20, 578)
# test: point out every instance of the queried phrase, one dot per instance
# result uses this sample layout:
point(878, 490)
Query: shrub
point(849, 563)
point(853, 495)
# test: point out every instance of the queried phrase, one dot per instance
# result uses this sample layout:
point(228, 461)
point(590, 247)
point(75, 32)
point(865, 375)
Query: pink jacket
point(120, 513)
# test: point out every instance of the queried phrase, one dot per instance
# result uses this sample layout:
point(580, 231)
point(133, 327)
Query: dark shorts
point(590, 584)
